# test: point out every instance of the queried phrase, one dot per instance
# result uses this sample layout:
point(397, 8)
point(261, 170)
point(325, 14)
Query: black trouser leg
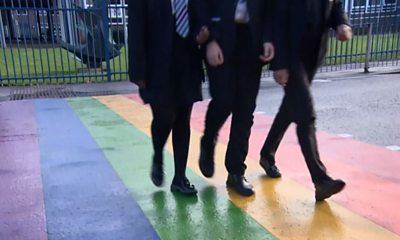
point(248, 82)
point(278, 129)
point(161, 126)
point(222, 91)
point(180, 139)
point(309, 148)
point(302, 108)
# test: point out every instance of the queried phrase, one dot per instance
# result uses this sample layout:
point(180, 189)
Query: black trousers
point(234, 87)
point(171, 106)
point(297, 106)
point(177, 120)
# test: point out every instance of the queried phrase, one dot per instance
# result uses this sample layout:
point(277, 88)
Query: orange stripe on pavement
point(284, 207)
point(370, 171)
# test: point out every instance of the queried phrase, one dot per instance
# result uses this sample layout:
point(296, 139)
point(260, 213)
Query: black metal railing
point(80, 41)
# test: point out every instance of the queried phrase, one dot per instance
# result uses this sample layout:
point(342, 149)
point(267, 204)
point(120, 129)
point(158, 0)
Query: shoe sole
point(156, 182)
point(207, 168)
point(157, 175)
point(268, 174)
point(177, 190)
point(206, 173)
point(244, 194)
point(328, 194)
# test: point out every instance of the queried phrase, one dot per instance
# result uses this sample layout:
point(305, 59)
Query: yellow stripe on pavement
point(284, 207)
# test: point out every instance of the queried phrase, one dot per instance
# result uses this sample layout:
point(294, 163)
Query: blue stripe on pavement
point(84, 198)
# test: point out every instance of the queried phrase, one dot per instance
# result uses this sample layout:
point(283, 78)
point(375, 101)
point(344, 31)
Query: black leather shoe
point(157, 172)
point(270, 169)
point(183, 186)
point(239, 184)
point(206, 160)
point(327, 188)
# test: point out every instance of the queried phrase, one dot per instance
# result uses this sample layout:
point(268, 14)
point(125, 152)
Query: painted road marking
point(288, 211)
point(393, 148)
point(210, 216)
point(360, 164)
point(363, 186)
point(345, 135)
point(84, 198)
point(21, 196)
point(322, 221)
point(322, 80)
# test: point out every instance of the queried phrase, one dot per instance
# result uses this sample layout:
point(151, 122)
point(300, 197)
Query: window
point(374, 2)
point(359, 3)
point(22, 12)
point(364, 6)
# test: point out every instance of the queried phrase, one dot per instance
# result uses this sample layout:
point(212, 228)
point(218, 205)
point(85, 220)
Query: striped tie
point(182, 18)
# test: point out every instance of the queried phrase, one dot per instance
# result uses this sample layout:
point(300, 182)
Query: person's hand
point(269, 52)
point(282, 77)
point(203, 36)
point(344, 32)
point(141, 84)
point(214, 54)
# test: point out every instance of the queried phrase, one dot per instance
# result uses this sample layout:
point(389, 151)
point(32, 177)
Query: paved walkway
point(125, 87)
point(79, 169)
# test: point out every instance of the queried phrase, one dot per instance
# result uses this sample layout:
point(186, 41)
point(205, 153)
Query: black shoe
point(327, 188)
point(157, 172)
point(270, 169)
point(183, 186)
point(206, 160)
point(239, 184)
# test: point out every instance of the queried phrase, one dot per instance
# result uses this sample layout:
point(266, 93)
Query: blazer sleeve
point(137, 25)
point(280, 34)
point(198, 15)
point(268, 21)
point(202, 16)
point(338, 16)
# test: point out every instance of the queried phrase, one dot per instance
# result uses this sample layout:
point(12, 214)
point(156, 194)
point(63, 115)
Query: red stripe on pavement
point(21, 194)
point(370, 171)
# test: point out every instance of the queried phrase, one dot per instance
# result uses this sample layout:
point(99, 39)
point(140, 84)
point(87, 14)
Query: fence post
point(106, 38)
point(369, 48)
point(125, 23)
point(2, 35)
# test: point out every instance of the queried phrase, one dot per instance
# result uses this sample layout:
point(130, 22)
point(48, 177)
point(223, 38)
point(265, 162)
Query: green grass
point(55, 65)
point(384, 47)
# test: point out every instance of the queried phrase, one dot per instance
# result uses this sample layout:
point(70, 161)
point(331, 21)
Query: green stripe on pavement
point(209, 216)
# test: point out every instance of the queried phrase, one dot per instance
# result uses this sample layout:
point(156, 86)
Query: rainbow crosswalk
point(79, 169)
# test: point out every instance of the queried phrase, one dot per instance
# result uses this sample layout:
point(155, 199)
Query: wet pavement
point(78, 168)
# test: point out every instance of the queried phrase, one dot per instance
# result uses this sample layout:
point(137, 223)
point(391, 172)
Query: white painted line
point(322, 80)
point(259, 112)
point(267, 79)
point(393, 148)
point(345, 135)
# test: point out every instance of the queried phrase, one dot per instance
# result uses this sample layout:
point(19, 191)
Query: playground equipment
point(94, 40)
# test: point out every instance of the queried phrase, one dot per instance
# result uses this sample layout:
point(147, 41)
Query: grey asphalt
point(365, 106)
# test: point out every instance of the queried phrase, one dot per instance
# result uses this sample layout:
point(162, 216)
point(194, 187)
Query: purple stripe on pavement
point(21, 194)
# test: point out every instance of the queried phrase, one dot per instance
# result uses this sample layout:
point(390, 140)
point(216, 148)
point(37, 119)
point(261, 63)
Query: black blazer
point(219, 16)
point(295, 39)
point(151, 34)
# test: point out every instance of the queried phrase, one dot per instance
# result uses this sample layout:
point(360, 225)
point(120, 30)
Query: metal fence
point(62, 41)
point(76, 41)
point(376, 43)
